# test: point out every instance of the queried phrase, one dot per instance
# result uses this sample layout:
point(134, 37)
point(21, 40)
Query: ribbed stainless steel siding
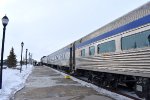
point(133, 62)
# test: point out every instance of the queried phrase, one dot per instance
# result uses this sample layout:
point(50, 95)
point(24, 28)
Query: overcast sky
point(48, 25)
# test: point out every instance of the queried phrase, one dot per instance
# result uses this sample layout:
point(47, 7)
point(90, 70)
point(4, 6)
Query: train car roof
point(129, 17)
point(60, 50)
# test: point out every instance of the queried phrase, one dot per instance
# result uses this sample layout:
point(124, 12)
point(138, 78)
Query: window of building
point(106, 47)
point(91, 50)
point(83, 52)
point(134, 41)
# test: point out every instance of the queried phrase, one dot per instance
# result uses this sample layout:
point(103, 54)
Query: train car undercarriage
point(140, 85)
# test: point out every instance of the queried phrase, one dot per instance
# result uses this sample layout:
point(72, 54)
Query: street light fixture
point(5, 21)
point(26, 57)
point(22, 44)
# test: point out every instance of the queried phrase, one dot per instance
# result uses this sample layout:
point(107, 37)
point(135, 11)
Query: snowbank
point(13, 81)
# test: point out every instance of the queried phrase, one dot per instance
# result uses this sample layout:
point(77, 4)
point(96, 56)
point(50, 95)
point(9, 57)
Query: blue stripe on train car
point(131, 25)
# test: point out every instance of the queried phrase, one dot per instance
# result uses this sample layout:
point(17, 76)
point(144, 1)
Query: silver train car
point(118, 53)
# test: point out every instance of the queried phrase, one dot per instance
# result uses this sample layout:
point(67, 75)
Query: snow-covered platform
point(45, 83)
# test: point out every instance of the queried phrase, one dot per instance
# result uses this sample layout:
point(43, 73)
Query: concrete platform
point(46, 84)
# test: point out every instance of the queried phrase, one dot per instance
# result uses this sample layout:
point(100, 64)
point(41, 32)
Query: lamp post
point(29, 58)
point(26, 57)
point(22, 44)
point(5, 21)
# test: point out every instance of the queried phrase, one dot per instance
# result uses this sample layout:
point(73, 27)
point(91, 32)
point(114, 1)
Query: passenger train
point(118, 53)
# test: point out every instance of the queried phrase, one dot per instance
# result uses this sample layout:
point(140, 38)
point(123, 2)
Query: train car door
point(70, 62)
point(72, 57)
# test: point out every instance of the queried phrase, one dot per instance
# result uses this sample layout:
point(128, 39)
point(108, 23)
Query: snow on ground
point(13, 81)
point(98, 89)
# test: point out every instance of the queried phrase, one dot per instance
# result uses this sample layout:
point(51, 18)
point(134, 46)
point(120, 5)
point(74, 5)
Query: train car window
point(109, 46)
point(98, 48)
point(83, 52)
point(137, 40)
point(91, 50)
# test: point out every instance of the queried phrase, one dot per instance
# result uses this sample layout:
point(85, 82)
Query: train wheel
point(114, 84)
point(130, 84)
point(105, 83)
point(90, 76)
point(143, 88)
point(139, 90)
point(147, 89)
point(101, 81)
